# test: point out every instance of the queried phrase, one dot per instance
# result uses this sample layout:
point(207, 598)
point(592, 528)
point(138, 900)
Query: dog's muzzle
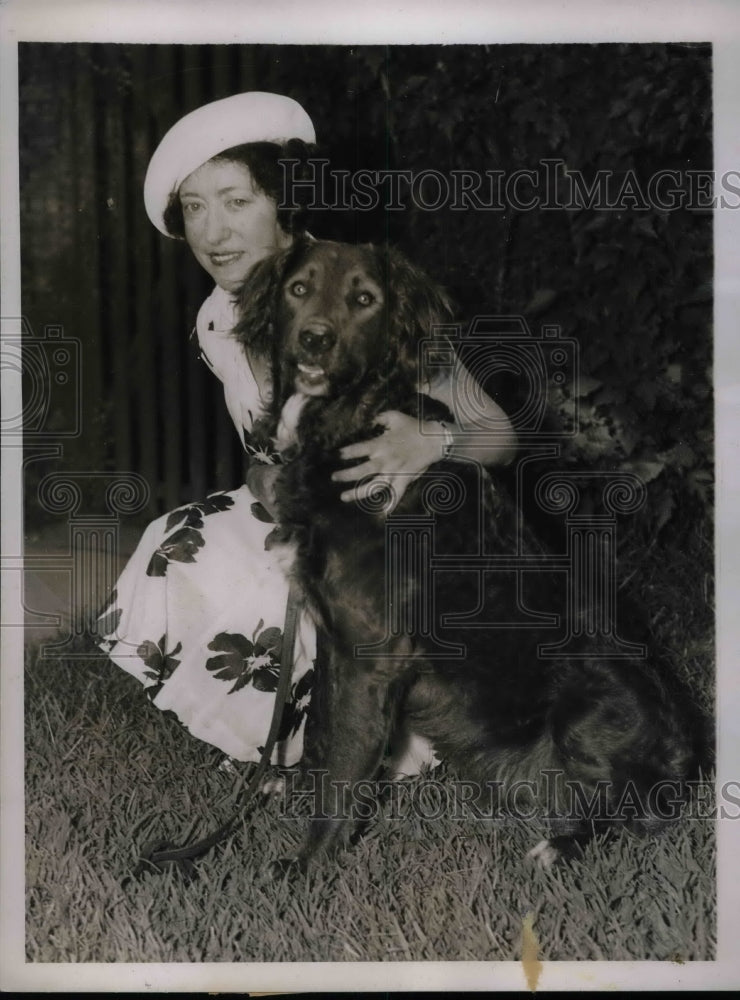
point(315, 341)
point(318, 338)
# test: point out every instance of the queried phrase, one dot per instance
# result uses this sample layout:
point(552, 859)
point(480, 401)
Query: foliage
point(633, 285)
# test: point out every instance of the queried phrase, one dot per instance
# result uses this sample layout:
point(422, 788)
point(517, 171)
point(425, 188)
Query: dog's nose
point(317, 338)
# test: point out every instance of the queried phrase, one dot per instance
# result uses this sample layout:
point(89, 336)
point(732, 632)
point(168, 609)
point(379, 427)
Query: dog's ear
point(258, 297)
point(415, 306)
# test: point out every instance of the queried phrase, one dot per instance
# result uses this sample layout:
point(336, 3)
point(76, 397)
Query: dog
point(344, 324)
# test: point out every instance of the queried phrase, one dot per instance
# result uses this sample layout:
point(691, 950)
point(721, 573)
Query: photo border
point(473, 22)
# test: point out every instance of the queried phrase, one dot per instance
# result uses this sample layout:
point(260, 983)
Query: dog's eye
point(365, 299)
point(298, 288)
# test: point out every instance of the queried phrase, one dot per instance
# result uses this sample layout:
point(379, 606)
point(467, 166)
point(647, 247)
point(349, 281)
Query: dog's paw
point(557, 850)
point(545, 854)
point(273, 787)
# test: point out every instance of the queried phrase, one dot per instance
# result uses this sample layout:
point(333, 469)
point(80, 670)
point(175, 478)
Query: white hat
point(255, 116)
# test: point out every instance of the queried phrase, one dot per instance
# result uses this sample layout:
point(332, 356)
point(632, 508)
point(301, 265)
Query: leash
point(154, 855)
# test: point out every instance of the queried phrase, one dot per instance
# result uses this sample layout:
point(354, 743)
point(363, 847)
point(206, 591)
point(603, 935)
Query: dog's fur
point(352, 317)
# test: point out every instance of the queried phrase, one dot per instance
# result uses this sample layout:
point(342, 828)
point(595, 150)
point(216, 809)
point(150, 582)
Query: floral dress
point(197, 614)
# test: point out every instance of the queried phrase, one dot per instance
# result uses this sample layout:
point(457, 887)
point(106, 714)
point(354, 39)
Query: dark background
point(633, 287)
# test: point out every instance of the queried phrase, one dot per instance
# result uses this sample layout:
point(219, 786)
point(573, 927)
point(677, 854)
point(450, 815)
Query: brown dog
point(344, 324)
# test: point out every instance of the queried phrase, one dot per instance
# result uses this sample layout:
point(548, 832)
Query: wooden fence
point(92, 263)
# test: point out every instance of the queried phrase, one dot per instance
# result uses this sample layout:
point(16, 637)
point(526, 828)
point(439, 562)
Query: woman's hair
point(262, 159)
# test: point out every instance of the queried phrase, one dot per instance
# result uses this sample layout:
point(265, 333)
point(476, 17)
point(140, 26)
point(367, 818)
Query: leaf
point(182, 545)
point(680, 455)
point(585, 385)
point(303, 686)
point(609, 395)
point(170, 663)
point(215, 503)
point(157, 565)
point(241, 682)
point(270, 640)
point(189, 516)
point(541, 299)
point(226, 668)
point(665, 510)
point(176, 517)
point(629, 439)
point(232, 642)
point(151, 654)
point(291, 720)
point(265, 679)
point(646, 470)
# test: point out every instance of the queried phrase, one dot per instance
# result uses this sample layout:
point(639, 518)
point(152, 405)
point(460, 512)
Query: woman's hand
point(396, 458)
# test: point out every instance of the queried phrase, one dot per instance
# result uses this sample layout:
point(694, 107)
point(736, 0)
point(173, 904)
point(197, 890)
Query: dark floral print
point(296, 707)
point(261, 513)
point(160, 663)
point(192, 515)
point(181, 546)
point(245, 661)
point(174, 601)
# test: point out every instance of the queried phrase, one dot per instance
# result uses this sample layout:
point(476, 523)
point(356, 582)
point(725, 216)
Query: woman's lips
point(224, 258)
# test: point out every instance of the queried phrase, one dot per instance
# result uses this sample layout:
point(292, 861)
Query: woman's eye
point(365, 299)
point(191, 208)
point(298, 288)
point(239, 202)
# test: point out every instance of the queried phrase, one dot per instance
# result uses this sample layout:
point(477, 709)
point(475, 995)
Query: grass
point(106, 772)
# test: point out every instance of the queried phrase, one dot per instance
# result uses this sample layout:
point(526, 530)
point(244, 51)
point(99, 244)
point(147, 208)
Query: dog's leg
point(355, 704)
point(350, 748)
point(504, 752)
point(594, 753)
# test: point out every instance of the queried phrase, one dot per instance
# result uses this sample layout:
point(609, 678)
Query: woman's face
point(229, 224)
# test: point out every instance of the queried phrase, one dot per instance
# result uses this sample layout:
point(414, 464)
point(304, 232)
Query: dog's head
point(338, 316)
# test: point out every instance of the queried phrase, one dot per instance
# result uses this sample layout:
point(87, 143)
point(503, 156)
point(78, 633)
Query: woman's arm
point(481, 431)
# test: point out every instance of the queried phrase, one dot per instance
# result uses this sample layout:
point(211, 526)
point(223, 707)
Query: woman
point(198, 611)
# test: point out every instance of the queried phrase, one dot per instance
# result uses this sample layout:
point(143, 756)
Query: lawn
point(106, 772)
